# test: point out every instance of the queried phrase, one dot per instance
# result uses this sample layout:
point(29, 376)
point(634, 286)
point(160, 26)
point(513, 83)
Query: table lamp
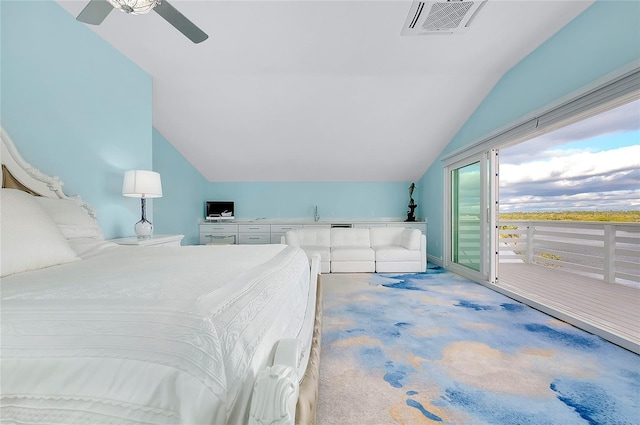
point(142, 184)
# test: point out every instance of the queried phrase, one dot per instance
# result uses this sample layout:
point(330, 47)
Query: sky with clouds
point(587, 166)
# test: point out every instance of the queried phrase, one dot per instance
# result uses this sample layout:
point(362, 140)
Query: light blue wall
point(297, 200)
point(603, 39)
point(75, 107)
point(183, 191)
point(181, 207)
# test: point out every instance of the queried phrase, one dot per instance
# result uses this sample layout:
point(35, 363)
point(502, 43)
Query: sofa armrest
point(411, 239)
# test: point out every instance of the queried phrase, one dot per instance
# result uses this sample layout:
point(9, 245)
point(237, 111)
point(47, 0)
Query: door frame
point(488, 216)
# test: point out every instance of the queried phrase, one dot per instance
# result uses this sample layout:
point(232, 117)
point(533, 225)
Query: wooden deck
point(609, 310)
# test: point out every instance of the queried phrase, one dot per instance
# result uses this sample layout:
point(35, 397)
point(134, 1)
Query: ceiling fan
point(97, 10)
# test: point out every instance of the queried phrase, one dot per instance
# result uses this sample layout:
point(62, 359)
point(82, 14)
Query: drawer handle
point(254, 228)
point(287, 228)
point(253, 237)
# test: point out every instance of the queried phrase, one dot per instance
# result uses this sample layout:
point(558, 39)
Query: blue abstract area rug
point(435, 348)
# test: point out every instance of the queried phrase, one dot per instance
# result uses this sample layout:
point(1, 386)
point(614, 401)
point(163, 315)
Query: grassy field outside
point(611, 216)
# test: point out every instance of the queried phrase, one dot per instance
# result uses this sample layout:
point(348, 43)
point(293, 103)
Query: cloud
point(588, 178)
point(619, 120)
point(623, 119)
point(568, 166)
point(595, 201)
point(593, 164)
point(604, 183)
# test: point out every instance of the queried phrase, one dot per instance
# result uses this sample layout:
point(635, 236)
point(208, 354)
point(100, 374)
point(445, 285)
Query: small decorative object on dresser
point(155, 240)
point(412, 204)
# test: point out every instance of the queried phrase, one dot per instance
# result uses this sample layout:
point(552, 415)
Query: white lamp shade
point(142, 184)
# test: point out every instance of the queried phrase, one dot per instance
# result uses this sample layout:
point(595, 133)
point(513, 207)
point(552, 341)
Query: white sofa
point(312, 240)
point(363, 250)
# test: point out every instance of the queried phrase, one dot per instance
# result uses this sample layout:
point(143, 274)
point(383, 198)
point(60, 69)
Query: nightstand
point(155, 240)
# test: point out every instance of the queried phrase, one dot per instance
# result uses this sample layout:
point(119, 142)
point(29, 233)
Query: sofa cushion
point(385, 236)
point(352, 254)
point(352, 237)
point(308, 236)
point(411, 239)
point(396, 253)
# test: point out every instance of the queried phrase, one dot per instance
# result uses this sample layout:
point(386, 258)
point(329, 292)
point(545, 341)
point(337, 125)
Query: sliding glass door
point(466, 206)
point(471, 223)
point(471, 214)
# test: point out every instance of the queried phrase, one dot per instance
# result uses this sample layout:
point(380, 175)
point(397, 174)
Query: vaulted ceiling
point(325, 91)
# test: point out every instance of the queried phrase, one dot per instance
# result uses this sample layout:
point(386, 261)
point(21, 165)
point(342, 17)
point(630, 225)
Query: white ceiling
point(325, 91)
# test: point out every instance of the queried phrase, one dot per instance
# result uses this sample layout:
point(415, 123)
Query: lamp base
point(144, 229)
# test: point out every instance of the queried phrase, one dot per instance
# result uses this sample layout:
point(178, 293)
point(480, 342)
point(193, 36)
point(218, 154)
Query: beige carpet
point(347, 393)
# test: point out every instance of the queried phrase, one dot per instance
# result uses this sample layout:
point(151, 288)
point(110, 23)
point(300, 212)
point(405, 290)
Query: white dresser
point(270, 231)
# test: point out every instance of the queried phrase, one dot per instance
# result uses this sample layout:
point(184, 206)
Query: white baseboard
point(435, 260)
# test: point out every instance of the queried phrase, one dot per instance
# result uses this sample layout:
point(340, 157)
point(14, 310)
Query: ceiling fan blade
point(95, 12)
point(182, 24)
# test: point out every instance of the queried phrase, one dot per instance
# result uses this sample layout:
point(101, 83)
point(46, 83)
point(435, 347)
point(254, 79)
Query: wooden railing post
point(529, 242)
point(609, 275)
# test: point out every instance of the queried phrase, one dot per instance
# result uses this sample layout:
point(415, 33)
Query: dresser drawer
point(253, 228)
point(284, 228)
point(368, 225)
point(279, 230)
point(318, 226)
point(254, 238)
point(218, 228)
point(217, 239)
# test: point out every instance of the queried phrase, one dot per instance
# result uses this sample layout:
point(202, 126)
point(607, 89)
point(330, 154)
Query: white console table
point(270, 231)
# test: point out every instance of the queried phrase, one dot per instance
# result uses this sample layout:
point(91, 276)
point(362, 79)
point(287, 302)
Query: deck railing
point(604, 250)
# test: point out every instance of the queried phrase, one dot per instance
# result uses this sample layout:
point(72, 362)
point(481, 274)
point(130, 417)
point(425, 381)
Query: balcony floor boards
point(611, 311)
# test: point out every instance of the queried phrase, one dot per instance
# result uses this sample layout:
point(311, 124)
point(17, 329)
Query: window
point(480, 261)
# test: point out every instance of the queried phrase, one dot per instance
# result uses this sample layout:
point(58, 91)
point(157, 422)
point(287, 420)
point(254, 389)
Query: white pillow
point(73, 220)
point(30, 239)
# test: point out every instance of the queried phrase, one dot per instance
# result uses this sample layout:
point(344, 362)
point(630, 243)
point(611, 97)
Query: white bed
point(118, 334)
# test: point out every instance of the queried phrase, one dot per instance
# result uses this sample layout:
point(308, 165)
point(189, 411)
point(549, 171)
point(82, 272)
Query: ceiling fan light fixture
point(135, 7)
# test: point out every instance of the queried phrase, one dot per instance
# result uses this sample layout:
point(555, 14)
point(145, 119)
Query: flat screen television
point(219, 210)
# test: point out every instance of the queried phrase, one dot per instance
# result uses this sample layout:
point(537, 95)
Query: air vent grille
point(446, 15)
point(440, 17)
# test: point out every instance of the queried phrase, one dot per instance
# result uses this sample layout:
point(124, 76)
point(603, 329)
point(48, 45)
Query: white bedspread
point(148, 335)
